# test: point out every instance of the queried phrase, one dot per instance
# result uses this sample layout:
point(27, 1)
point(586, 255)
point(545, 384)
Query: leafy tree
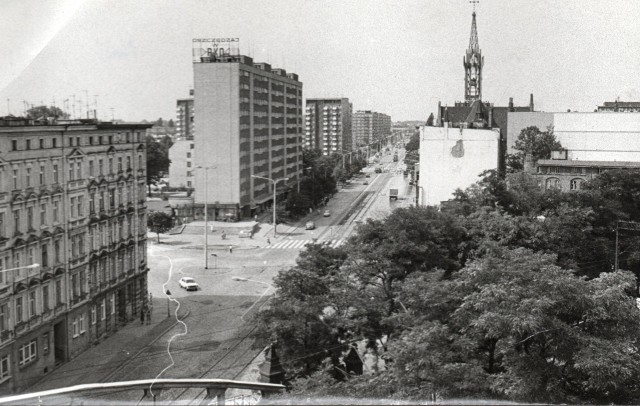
point(430, 120)
point(532, 141)
point(170, 123)
point(157, 160)
point(159, 222)
point(167, 143)
point(525, 329)
point(297, 317)
point(298, 203)
point(40, 112)
point(414, 142)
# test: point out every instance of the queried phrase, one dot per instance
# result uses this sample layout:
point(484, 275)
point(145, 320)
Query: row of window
point(28, 352)
point(100, 235)
point(44, 143)
point(44, 173)
point(38, 215)
point(32, 303)
point(554, 183)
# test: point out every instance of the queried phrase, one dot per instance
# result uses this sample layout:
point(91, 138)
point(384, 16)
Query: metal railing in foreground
point(215, 388)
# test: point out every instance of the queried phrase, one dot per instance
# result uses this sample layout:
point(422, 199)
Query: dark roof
point(596, 164)
point(621, 104)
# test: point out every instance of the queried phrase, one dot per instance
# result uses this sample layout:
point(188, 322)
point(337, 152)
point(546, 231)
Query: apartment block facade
point(72, 201)
point(370, 127)
point(328, 125)
point(184, 118)
point(181, 169)
point(248, 121)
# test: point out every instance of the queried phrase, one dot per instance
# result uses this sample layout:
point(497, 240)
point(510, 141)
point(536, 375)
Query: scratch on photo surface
point(186, 330)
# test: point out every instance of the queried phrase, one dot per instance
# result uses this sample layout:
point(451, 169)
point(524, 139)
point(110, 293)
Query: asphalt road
point(215, 340)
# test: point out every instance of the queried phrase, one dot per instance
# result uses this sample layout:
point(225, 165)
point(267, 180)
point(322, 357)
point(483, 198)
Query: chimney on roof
point(531, 102)
point(510, 103)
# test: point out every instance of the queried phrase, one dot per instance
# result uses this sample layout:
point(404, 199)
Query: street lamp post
point(206, 213)
point(420, 195)
point(275, 182)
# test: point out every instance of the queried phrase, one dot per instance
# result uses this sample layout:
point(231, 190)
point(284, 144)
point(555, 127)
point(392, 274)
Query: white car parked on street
point(188, 283)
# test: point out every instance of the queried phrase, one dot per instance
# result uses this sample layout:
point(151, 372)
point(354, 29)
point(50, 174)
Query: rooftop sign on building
point(213, 48)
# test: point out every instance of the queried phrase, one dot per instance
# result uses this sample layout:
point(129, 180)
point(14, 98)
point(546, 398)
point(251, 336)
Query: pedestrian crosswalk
point(299, 244)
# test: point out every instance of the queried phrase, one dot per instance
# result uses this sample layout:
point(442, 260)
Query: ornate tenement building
point(72, 200)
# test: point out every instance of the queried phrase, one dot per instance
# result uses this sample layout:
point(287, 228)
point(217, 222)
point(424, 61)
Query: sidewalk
point(102, 362)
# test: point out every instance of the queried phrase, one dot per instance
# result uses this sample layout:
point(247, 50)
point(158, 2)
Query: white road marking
point(300, 244)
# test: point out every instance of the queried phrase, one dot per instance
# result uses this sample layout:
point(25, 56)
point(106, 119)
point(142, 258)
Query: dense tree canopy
point(159, 222)
point(157, 160)
point(507, 292)
point(43, 112)
point(531, 141)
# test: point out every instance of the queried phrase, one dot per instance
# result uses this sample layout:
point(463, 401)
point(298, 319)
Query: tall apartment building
point(248, 121)
point(328, 125)
point(370, 127)
point(72, 200)
point(181, 170)
point(184, 118)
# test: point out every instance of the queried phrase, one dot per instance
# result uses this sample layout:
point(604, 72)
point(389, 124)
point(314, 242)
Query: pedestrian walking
point(149, 315)
point(224, 235)
point(143, 312)
point(268, 241)
point(230, 249)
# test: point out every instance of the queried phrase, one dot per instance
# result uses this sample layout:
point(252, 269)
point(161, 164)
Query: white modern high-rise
point(248, 121)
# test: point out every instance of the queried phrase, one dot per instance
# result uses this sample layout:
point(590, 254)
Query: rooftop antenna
point(95, 106)
point(73, 106)
point(112, 114)
point(86, 99)
point(8, 106)
point(474, 2)
point(65, 104)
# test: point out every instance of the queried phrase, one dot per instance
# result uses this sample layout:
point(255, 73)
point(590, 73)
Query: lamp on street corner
point(168, 292)
point(206, 212)
point(275, 182)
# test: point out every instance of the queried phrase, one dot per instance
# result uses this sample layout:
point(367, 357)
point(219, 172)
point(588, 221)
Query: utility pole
point(206, 214)
point(624, 225)
point(275, 182)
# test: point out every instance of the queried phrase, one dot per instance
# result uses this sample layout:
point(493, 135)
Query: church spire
point(473, 62)
point(473, 38)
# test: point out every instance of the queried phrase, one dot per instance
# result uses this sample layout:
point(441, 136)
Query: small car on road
point(365, 182)
point(310, 225)
point(245, 233)
point(326, 213)
point(188, 283)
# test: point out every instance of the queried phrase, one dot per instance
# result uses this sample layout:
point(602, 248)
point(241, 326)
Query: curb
point(149, 344)
point(182, 227)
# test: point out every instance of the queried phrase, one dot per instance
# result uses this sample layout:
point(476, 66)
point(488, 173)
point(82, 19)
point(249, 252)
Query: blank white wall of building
point(451, 158)
point(599, 136)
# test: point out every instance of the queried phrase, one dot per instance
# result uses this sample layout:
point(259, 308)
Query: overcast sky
point(399, 57)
